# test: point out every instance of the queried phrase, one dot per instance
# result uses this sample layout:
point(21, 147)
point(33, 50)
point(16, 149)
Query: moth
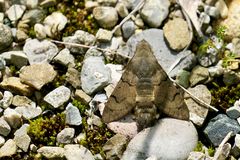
point(145, 89)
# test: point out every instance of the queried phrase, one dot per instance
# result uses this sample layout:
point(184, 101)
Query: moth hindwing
point(145, 89)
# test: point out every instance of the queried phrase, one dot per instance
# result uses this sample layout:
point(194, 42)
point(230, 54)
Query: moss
point(14, 71)
point(199, 147)
point(228, 58)
point(43, 130)
point(221, 32)
point(82, 107)
point(59, 80)
point(205, 46)
point(211, 151)
point(31, 32)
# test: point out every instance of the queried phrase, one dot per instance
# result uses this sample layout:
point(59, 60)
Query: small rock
point(32, 3)
point(40, 31)
point(21, 138)
point(7, 99)
point(48, 3)
point(219, 127)
point(73, 77)
point(58, 96)
point(208, 57)
point(14, 85)
point(51, 152)
point(77, 152)
point(211, 11)
point(231, 77)
point(1, 17)
point(198, 112)
point(121, 9)
point(94, 75)
point(82, 96)
point(2, 141)
point(94, 120)
point(115, 147)
point(224, 153)
point(5, 129)
point(80, 37)
point(236, 46)
point(21, 101)
point(138, 21)
point(177, 34)
point(217, 70)
point(37, 75)
point(128, 29)
point(40, 51)
point(73, 116)
point(2, 63)
point(19, 59)
point(204, 18)
point(30, 111)
point(65, 58)
point(233, 112)
point(183, 78)
point(196, 156)
point(12, 117)
point(21, 36)
point(154, 12)
point(198, 75)
point(222, 7)
point(93, 52)
point(6, 36)
point(104, 35)
point(106, 17)
point(54, 23)
point(236, 147)
point(15, 12)
point(66, 136)
point(33, 148)
point(142, 147)
point(8, 149)
point(34, 16)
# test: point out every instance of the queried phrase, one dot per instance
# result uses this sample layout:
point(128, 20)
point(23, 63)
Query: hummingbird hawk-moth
point(145, 89)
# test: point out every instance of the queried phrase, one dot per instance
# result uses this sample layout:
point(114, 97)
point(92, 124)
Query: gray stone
point(6, 36)
point(233, 112)
point(94, 75)
point(198, 112)
point(66, 136)
point(236, 147)
point(177, 33)
point(2, 63)
point(82, 96)
point(212, 11)
point(121, 9)
point(7, 99)
point(80, 37)
point(104, 35)
point(12, 117)
point(217, 70)
point(40, 51)
point(198, 75)
point(5, 129)
point(73, 77)
point(65, 58)
point(93, 52)
point(224, 152)
point(21, 36)
point(130, 4)
point(174, 134)
point(54, 23)
point(19, 59)
point(106, 17)
point(183, 78)
point(58, 96)
point(196, 156)
point(21, 138)
point(154, 12)
point(204, 18)
point(14, 85)
point(37, 75)
point(51, 152)
point(219, 127)
point(29, 111)
point(15, 12)
point(2, 141)
point(8, 149)
point(128, 29)
point(34, 16)
point(208, 57)
point(115, 146)
point(231, 77)
point(73, 116)
point(76, 152)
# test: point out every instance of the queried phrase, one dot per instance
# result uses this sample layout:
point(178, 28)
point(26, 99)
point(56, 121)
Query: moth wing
point(120, 103)
point(169, 100)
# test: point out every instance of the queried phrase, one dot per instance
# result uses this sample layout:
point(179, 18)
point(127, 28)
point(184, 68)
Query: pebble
point(58, 96)
point(2, 141)
point(6, 37)
point(73, 116)
point(8, 149)
point(73, 77)
point(121, 9)
point(40, 51)
point(82, 96)
point(40, 32)
point(212, 11)
point(5, 129)
point(236, 147)
point(51, 152)
point(13, 118)
point(65, 136)
point(231, 77)
point(2, 62)
point(128, 29)
point(198, 112)
point(7, 99)
point(106, 17)
point(104, 35)
point(32, 3)
point(37, 75)
point(21, 101)
point(154, 12)
point(233, 112)
point(76, 152)
point(217, 70)
point(174, 134)
point(30, 111)
point(15, 12)
point(222, 7)
point(19, 59)
point(219, 127)
point(33, 16)
point(94, 75)
point(65, 58)
point(21, 138)
point(177, 33)
point(183, 78)
point(198, 75)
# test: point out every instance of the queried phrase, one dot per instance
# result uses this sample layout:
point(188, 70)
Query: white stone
point(65, 58)
point(15, 12)
point(77, 152)
point(5, 129)
point(8, 149)
point(30, 111)
point(236, 147)
point(12, 117)
point(222, 7)
point(7, 99)
point(51, 152)
point(65, 136)
point(40, 31)
point(73, 116)
point(21, 138)
point(122, 9)
point(104, 35)
point(2, 141)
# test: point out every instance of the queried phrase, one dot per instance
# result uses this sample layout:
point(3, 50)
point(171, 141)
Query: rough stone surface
point(66, 136)
point(73, 116)
point(12, 117)
point(76, 152)
point(219, 127)
point(51, 152)
point(177, 34)
point(222, 7)
point(236, 147)
point(104, 35)
point(65, 58)
point(82, 96)
point(174, 134)
point(29, 111)
point(40, 51)
point(6, 36)
point(19, 59)
point(128, 29)
point(8, 149)
point(37, 75)
point(94, 75)
point(217, 70)
point(21, 138)
point(106, 17)
point(73, 77)
point(58, 96)
point(198, 75)
point(21, 101)
point(154, 12)
point(122, 9)
point(5, 129)
point(183, 78)
point(7, 99)
point(231, 77)
point(233, 112)
point(196, 156)
point(198, 112)
point(15, 12)
point(2, 141)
